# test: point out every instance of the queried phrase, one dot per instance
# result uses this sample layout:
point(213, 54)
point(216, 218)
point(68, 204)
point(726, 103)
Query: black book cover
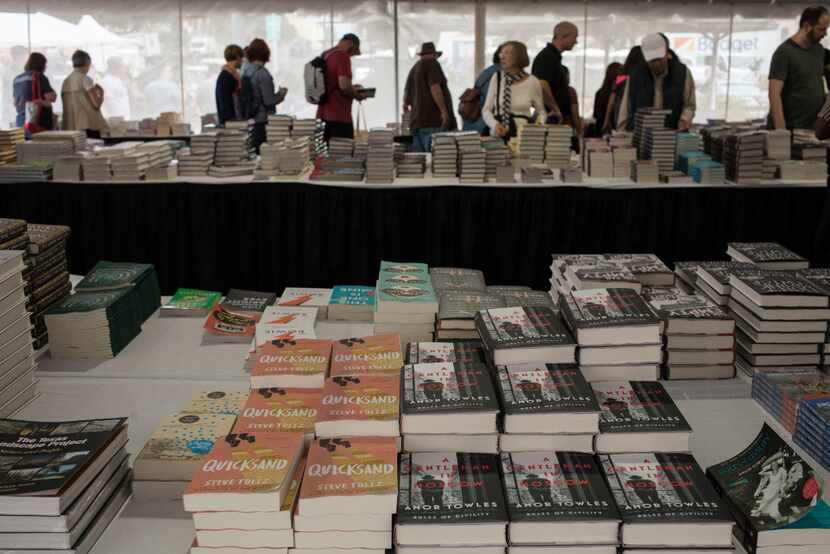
point(721, 270)
point(514, 298)
point(457, 278)
point(555, 486)
point(766, 281)
point(767, 486)
point(760, 252)
point(464, 304)
point(544, 388)
point(596, 308)
point(458, 351)
point(520, 327)
point(637, 407)
point(451, 488)
point(673, 303)
point(11, 229)
point(661, 488)
point(640, 264)
point(40, 458)
point(447, 387)
point(818, 276)
point(606, 271)
point(248, 300)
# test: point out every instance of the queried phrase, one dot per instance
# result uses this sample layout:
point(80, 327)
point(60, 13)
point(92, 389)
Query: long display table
point(267, 235)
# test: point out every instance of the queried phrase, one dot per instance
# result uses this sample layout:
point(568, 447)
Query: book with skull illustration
point(775, 497)
point(525, 335)
point(374, 355)
point(666, 501)
point(275, 410)
point(301, 363)
point(450, 498)
point(558, 498)
point(359, 405)
point(639, 415)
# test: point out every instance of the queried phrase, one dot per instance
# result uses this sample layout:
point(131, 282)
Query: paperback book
point(360, 405)
point(298, 363)
point(190, 303)
point(378, 354)
point(276, 410)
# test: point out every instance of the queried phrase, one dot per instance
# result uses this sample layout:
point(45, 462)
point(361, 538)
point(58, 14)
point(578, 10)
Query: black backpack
point(248, 102)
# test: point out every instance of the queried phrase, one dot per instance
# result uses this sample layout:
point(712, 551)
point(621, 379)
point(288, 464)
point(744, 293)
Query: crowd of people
point(511, 89)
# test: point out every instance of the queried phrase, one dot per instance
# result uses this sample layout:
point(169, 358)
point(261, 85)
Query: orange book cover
point(378, 354)
point(300, 357)
point(361, 397)
point(275, 410)
point(248, 463)
point(226, 323)
point(351, 466)
point(294, 488)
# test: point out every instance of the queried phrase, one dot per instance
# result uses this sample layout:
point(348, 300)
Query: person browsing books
point(512, 93)
point(228, 85)
point(548, 68)
point(265, 98)
point(482, 85)
point(336, 111)
point(427, 97)
point(33, 80)
point(662, 84)
point(82, 99)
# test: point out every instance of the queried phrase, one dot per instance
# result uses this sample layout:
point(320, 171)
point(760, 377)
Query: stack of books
point(647, 118)
point(444, 155)
point(769, 169)
point(661, 146)
point(47, 281)
point(26, 172)
point(699, 335)
point(687, 160)
point(743, 156)
point(339, 169)
point(623, 157)
point(525, 334)
point(235, 319)
point(9, 139)
point(813, 421)
point(457, 310)
point(162, 173)
point(139, 279)
point(352, 303)
point(778, 144)
point(348, 496)
point(645, 171)
point(92, 324)
point(278, 325)
point(278, 128)
point(192, 163)
point(341, 147)
point(451, 501)
point(306, 297)
point(546, 406)
point(279, 410)
point(713, 279)
point(782, 391)
point(412, 165)
point(771, 306)
point(17, 357)
point(572, 174)
point(558, 146)
point(532, 143)
point(65, 482)
point(708, 172)
point(131, 167)
point(233, 511)
point(232, 153)
point(600, 162)
point(374, 355)
point(301, 363)
point(766, 255)
point(676, 178)
point(406, 301)
point(204, 143)
point(619, 335)
point(534, 174)
point(366, 405)
point(688, 142)
point(380, 162)
point(361, 149)
point(68, 168)
point(496, 155)
point(472, 164)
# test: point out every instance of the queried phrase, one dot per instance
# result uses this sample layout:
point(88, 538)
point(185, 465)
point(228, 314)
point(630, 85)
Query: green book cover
point(193, 299)
point(84, 302)
point(113, 275)
point(406, 293)
point(402, 268)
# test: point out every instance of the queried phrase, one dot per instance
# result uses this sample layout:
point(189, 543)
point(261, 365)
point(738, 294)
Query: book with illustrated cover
point(114, 275)
point(352, 296)
point(191, 303)
point(765, 287)
point(361, 405)
point(248, 301)
point(457, 308)
point(446, 388)
point(306, 297)
point(407, 279)
point(688, 313)
point(773, 494)
point(513, 298)
point(601, 274)
point(456, 278)
point(767, 255)
point(178, 445)
point(601, 317)
point(293, 363)
point(274, 410)
point(43, 237)
point(388, 269)
point(377, 354)
point(536, 332)
point(216, 402)
point(223, 325)
point(406, 297)
point(648, 269)
point(458, 351)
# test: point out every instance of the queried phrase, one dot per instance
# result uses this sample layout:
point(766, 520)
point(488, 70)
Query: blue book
point(352, 295)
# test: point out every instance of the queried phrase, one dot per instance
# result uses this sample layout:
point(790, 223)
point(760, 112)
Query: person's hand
point(500, 130)
point(684, 125)
point(50, 97)
point(445, 119)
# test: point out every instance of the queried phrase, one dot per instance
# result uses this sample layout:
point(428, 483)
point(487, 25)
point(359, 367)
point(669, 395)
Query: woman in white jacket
point(513, 92)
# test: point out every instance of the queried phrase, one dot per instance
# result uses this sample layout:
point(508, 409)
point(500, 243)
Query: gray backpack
point(315, 80)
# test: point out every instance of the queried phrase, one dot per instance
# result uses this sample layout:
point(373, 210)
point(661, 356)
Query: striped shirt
point(824, 112)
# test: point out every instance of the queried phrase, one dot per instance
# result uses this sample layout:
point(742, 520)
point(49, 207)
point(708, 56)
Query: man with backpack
point(335, 106)
point(426, 94)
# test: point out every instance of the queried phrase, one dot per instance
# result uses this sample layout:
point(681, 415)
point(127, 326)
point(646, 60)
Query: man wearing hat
point(427, 96)
point(664, 84)
point(336, 111)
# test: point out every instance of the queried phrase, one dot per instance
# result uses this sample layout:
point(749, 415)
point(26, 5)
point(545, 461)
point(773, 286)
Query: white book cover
point(301, 296)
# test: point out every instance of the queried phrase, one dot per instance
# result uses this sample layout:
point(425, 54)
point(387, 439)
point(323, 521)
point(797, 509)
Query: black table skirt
point(266, 236)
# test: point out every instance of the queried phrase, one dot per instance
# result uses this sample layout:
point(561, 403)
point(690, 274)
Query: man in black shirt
point(547, 67)
point(228, 86)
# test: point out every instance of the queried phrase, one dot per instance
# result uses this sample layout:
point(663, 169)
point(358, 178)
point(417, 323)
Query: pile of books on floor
point(558, 146)
point(743, 156)
point(531, 142)
point(9, 139)
point(233, 152)
point(47, 281)
point(26, 172)
point(106, 312)
point(699, 336)
point(64, 483)
point(406, 302)
point(17, 358)
point(412, 165)
point(234, 319)
point(380, 162)
point(496, 155)
point(278, 128)
point(444, 155)
point(661, 146)
point(472, 161)
point(645, 119)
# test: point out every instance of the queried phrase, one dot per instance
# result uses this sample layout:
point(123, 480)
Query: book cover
point(353, 466)
point(186, 436)
point(451, 488)
point(273, 410)
point(288, 316)
point(40, 458)
point(586, 309)
point(767, 486)
point(352, 296)
point(762, 252)
point(42, 237)
point(378, 354)
point(464, 304)
point(409, 293)
point(300, 357)
point(525, 298)
point(193, 299)
point(225, 323)
point(637, 407)
point(249, 463)
point(766, 281)
point(459, 351)
point(720, 271)
point(388, 269)
point(216, 402)
point(248, 301)
point(446, 387)
point(297, 296)
point(544, 388)
point(457, 278)
point(661, 488)
point(519, 327)
point(819, 276)
point(640, 263)
point(556, 486)
point(113, 275)
point(672, 303)
point(279, 334)
point(404, 279)
point(603, 271)
point(11, 228)
point(364, 397)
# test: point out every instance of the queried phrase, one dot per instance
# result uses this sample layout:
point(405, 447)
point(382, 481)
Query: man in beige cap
point(665, 83)
point(427, 96)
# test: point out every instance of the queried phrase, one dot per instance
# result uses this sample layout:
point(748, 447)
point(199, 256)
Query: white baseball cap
point(653, 46)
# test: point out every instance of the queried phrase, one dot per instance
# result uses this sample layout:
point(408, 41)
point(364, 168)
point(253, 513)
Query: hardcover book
point(298, 363)
point(601, 274)
point(42, 237)
point(366, 405)
point(777, 288)
point(248, 301)
point(459, 352)
point(522, 328)
point(610, 316)
point(447, 388)
point(274, 410)
point(768, 255)
point(688, 313)
point(647, 268)
point(378, 354)
point(514, 298)
point(456, 278)
point(457, 308)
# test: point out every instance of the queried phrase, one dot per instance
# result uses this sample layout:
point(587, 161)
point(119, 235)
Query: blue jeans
point(422, 138)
